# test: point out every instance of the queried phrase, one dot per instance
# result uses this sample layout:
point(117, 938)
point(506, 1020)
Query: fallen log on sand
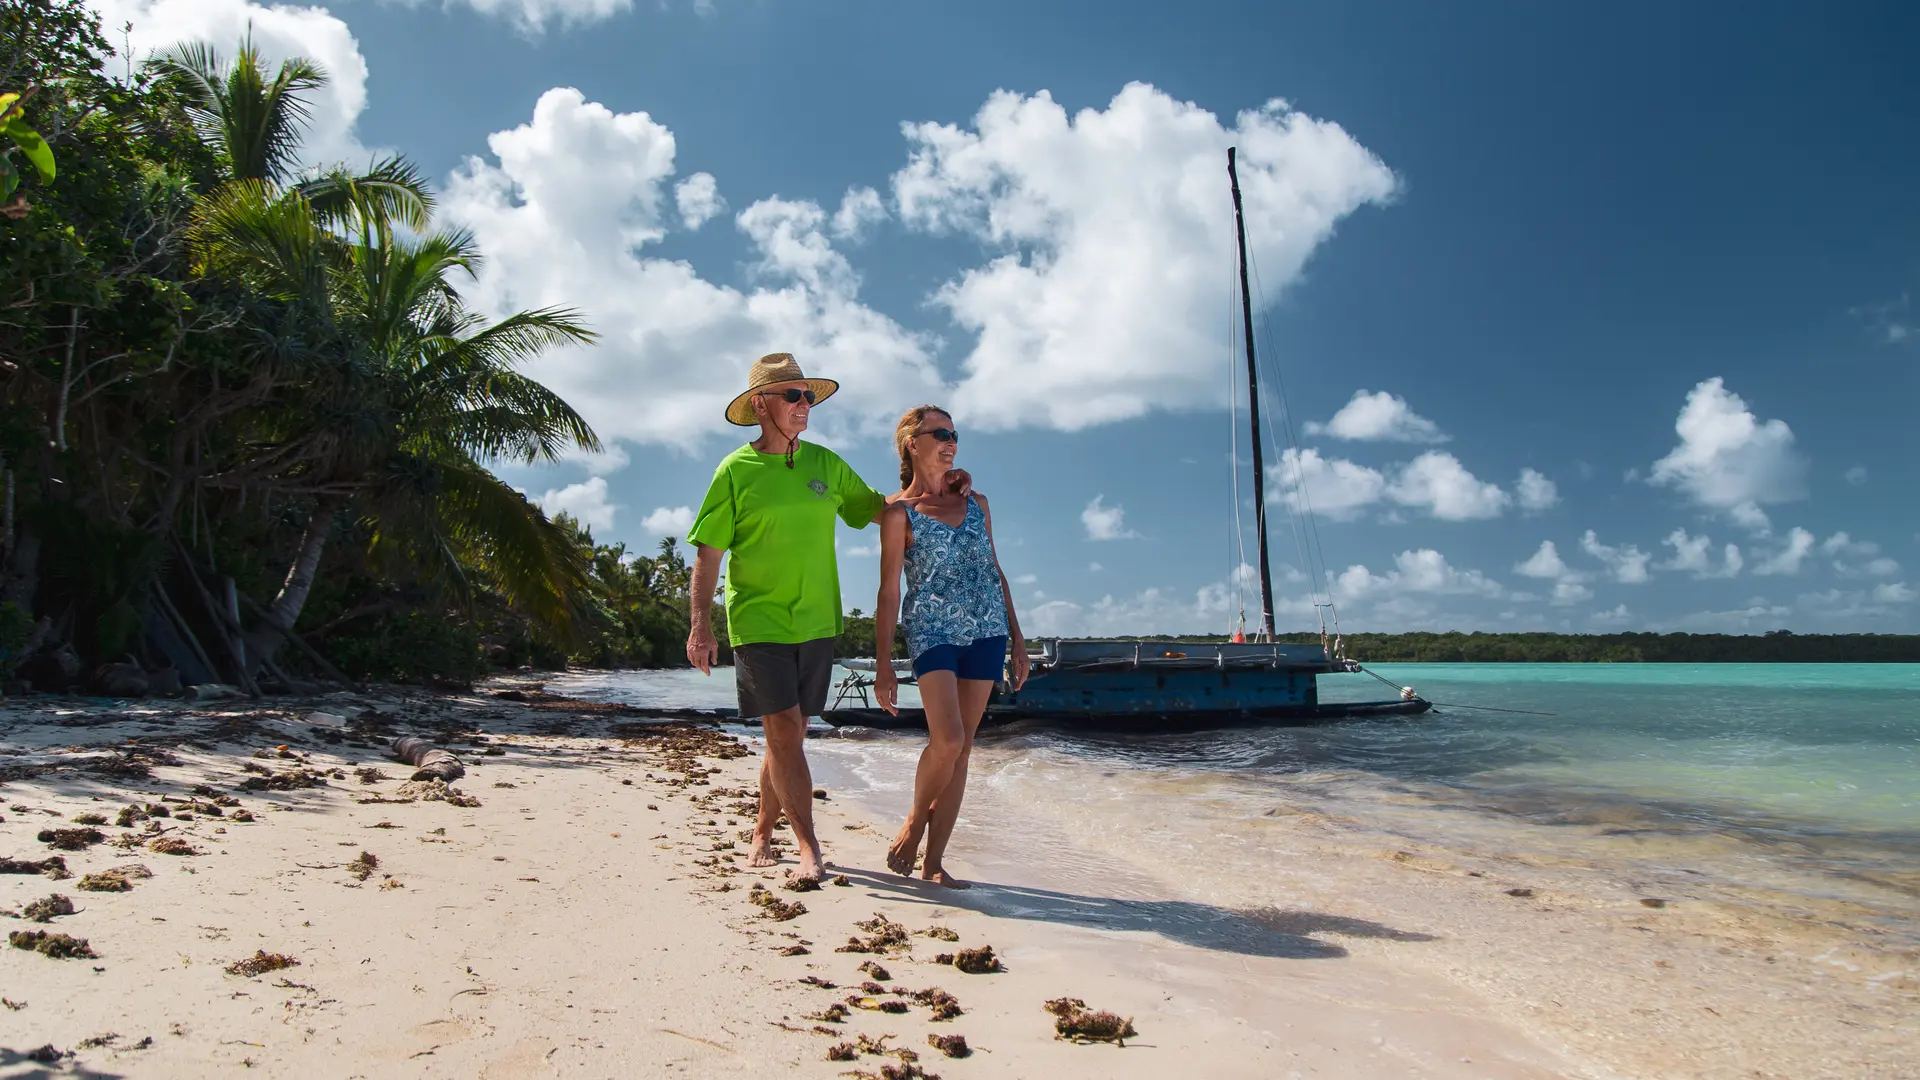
point(429, 762)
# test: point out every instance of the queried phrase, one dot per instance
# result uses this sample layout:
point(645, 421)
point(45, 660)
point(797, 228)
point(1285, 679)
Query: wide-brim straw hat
point(770, 369)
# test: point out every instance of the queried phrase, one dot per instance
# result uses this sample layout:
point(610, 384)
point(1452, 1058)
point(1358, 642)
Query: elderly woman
point(772, 504)
point(958, 618)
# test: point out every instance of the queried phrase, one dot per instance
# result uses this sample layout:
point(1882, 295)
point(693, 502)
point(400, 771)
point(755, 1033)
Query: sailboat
point(1159, 683)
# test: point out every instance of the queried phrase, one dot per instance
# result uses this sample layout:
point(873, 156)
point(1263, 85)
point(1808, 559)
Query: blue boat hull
point(1159, 685)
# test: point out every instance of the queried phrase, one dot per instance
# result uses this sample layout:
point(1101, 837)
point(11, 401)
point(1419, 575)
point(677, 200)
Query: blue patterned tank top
point(953, 584)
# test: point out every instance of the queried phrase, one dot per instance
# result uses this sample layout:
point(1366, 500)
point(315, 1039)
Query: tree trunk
point(265, 641)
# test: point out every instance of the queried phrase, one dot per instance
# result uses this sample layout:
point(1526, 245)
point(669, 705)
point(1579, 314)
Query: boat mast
point(1253, 406)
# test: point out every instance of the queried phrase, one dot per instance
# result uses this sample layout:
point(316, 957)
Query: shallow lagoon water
point(1796, 783)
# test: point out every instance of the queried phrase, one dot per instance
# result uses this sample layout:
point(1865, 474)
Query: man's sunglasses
point(941, 434)
point(792, 397)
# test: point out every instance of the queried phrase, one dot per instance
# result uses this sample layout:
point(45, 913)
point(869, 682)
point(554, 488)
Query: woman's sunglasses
point(791, 397)
point(941, 434)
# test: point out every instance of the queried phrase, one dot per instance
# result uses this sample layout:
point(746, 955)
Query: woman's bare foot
point(762, 854)
point(812, 866)
point(905, 850)
point(939, 876)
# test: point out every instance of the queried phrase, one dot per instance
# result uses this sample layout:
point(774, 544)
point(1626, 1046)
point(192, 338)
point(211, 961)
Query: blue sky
point(1633, 281)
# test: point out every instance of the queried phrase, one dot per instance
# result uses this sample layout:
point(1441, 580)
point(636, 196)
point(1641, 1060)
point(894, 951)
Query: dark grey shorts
point(773, 677)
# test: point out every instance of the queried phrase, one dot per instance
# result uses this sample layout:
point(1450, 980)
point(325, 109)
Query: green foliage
point(15, 626)
point(411, 646)
point(857, 637)
point(643, 605)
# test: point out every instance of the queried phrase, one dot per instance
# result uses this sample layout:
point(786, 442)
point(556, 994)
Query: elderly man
point(772, 503)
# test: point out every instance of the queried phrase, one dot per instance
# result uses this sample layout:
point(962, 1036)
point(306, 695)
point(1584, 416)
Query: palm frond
point(392, 189)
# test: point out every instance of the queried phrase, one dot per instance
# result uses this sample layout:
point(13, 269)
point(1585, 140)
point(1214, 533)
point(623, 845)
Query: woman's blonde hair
point(903, 433)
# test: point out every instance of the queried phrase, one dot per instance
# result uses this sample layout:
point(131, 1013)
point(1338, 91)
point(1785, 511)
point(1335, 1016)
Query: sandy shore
point(593, 916)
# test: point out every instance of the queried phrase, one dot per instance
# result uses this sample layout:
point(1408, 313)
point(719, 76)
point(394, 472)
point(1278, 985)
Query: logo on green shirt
point(818, 487)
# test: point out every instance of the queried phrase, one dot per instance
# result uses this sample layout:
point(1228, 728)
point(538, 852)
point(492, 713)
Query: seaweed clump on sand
point(171, 845)
point(58, 946)
point(835, 1013)
point(1074, 1022)
point(53, 866)
point(363, 866)
point(772, 906)
point(902, 1071)
point(796, 950)
point(118, 879)
point(870, 968)
point(89, 818)
point(980, 961)
point(944, 1005)
point(284, 781)
point(954, 1046)
point(884, 937)
point(129, 815)
point(799, 884)
point(71, 839)
point(260, 963)
point(939, 933)
point(845, 1051)
point(47, 908)
point(370, 775)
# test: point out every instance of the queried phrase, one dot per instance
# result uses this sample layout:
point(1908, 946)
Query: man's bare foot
point(939, 876)
point(762, 854)
point(905, 850)
point(812, 866)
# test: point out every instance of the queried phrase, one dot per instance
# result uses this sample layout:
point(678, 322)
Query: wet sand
point(593, 915)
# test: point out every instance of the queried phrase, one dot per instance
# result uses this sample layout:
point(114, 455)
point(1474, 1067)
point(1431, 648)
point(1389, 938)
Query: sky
point(1571, 318)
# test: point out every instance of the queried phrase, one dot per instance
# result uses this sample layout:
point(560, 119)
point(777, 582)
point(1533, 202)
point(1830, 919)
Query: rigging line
point(1301, 505)
point(1488, 708)
point(1312, 524)
point(1294, 506)
point(1237, 541)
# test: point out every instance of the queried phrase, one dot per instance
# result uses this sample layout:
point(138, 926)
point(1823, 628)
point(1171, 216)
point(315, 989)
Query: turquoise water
point(1794, 781)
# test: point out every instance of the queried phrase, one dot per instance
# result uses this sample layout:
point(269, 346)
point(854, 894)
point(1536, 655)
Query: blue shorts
point(984, 660)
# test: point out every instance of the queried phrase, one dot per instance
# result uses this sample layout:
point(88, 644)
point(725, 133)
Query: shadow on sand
point(1267, 932)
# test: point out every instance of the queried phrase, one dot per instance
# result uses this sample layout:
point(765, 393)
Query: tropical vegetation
point(249, 417)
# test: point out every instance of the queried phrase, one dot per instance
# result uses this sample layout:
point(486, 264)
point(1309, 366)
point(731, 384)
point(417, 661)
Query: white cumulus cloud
point(1788, 559)
point(564, 211)
point(698, 199)
point(1545, 564)
point(585, 502)
point(1112, 228)
point(1692, 554)
point(1378, 416)
point(1421, 571)
point(860, 209)
point(1437, 482)
point(1105, 522)
point(669, 520)
point(1627, 565)
point(1729, 460)
point(1535, 492)
point(1857, 558)
point(1334, 487)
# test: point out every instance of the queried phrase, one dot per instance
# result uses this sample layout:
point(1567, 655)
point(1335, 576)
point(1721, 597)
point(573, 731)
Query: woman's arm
point(1016, 641)
point(894, 538)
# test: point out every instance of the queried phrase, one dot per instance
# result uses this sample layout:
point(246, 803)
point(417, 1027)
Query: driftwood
point(429, 761)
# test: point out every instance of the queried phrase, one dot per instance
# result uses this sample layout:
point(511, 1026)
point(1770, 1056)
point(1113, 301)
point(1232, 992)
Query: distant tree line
point(1773, 647)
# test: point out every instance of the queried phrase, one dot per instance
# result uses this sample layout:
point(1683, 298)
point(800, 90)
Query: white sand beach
point(593, 916)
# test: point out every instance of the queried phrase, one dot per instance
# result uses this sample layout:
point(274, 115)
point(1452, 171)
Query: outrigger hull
point(1160, 685)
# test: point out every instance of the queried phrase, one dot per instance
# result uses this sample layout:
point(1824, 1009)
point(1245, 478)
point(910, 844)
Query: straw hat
point(774, 368)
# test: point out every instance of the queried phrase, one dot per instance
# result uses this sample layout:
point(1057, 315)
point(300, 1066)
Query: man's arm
point(702, 650)
point(886, 610)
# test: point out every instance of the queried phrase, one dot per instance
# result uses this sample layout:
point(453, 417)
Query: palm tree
point(408, 394)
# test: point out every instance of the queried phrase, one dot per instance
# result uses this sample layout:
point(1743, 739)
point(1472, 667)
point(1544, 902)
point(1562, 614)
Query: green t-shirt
point(783, 582)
